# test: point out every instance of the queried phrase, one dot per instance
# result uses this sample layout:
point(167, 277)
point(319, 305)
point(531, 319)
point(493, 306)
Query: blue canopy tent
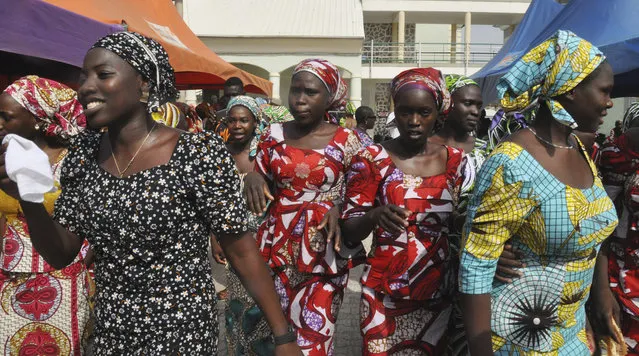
point(609, 25)
point(539, 13)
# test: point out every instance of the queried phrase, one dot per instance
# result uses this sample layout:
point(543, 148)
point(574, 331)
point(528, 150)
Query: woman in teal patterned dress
point(540, 190)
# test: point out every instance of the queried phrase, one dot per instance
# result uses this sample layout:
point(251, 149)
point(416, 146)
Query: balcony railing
point(424, 54)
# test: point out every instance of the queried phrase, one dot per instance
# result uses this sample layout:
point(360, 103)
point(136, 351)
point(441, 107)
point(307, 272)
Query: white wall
point(432, 33)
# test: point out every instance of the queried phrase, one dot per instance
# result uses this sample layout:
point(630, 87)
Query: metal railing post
point(370, 63)
point(426, 53)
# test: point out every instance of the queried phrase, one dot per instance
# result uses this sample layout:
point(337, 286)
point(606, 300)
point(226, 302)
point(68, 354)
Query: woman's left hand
point(509, 264)
point(604, 307)
point(331, 223)
point(217, 252)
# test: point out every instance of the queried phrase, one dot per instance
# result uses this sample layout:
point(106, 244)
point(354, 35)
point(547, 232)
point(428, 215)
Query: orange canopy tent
point(196, 66)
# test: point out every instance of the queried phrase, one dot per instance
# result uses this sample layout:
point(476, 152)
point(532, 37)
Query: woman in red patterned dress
point(404, 191)
point(619, 166)
point(304, 162)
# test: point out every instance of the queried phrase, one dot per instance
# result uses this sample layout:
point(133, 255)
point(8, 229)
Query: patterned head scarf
point(276, 113)
point(455, 82)
point(551, 69)
point(631, 115)
point(328, 73)
point(247, 102)
point(167, 114)
point(503, 125)
point(428, 79)
point(54, 104)
point(254, 108)
point(149, 58)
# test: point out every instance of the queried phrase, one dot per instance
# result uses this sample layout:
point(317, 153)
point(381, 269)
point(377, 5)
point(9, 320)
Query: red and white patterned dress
point(619, 166)
point(309, 275)
point(44, 310)
point(407, 284)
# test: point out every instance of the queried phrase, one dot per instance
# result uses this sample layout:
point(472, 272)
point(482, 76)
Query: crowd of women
point(509, 248)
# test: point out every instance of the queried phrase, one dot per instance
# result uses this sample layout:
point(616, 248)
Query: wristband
point(289, 336)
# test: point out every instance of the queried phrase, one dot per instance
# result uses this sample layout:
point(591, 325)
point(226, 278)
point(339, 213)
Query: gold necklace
point(121, 173)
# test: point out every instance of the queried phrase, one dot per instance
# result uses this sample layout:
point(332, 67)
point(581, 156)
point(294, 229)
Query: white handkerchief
point(29, 167)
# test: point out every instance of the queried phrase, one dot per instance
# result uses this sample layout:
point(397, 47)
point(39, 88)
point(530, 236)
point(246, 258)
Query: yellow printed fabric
point(39, 305)
point(558, 229)
point(553, 68)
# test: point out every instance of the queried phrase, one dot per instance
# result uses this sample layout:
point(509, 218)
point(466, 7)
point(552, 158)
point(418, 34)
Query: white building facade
point(269, 37)
point(371, 41)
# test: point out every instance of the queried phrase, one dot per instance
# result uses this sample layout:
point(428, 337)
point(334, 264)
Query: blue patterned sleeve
point(495, 212)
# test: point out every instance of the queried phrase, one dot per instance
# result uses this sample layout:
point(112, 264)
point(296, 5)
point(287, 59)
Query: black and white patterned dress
point(150, 232)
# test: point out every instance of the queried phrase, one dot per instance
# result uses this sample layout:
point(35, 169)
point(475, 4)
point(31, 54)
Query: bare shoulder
point(437, 151)
point(329, 129)
point(167, 137)
point(437, 140)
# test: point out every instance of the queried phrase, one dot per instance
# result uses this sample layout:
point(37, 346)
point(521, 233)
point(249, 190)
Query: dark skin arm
point(476, 314)
point(243, 255)
point(389, 217)
point(603, 304)
point(216, 251)
point(256, 192)
point(56, 245)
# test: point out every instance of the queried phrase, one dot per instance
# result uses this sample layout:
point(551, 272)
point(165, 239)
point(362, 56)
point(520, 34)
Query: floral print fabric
point(311, 302)
point(310, 276)
point(308, 183)
point(150, 232)
point(411, 264)
point(407, 284)
point(363, 137)
point(558, 229)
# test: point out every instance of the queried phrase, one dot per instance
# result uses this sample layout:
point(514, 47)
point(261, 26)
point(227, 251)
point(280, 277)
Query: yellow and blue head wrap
point(551, 69)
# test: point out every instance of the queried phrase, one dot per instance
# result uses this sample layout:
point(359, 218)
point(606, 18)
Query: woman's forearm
point(600, 277)
point(53, 242)
point(244, 257)
point(476, 313)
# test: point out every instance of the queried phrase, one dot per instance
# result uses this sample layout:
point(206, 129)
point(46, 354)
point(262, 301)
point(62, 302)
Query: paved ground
point(348, 339)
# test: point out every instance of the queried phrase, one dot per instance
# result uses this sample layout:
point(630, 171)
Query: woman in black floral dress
point(147, 196)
